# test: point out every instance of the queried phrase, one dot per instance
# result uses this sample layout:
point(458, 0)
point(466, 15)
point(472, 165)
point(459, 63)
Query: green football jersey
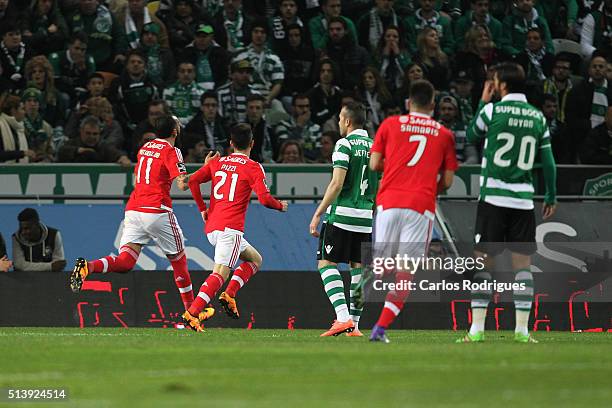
point(515, 133)
point(354, 207)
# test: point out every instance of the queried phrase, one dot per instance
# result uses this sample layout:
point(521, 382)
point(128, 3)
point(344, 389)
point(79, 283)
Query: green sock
point(523, 299)
point(334, 289)
point(356, 275)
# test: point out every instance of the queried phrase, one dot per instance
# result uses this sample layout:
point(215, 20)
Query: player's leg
point(356, 304)
point(333, 249)
point(480, 301)
point(251, 263)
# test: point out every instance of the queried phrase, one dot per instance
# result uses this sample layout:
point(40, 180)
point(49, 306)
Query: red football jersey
point(233, 177)
point(416, 150)
point(158, 164)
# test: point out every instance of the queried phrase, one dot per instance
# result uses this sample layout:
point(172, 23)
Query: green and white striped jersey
point(354, 207)
point(515, 132)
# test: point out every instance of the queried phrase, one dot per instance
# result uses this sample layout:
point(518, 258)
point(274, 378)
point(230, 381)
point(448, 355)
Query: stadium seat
point(563, 45)
point(108, 78)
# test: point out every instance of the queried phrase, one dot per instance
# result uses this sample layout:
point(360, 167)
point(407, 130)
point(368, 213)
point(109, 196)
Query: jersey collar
point(162, 141)
point(239, 154)
point(423, 115)
point(359, 132)
point(514, 97)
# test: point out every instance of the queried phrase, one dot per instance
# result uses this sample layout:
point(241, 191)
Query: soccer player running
point(417, 157)
point(148, 213)
point(515, 135)
point(233, 177)
point(349, 203)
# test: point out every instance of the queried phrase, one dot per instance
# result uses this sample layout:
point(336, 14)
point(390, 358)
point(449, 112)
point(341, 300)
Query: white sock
point(522, 320)
point(479, 315)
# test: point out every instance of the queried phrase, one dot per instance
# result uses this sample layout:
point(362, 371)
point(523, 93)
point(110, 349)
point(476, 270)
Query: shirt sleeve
point(380, 139)
point(450, 156)
point(174, 162)
point(258, 184)
point(58, 250)
point(342, 154)
point(201, 176)
point(480, 124)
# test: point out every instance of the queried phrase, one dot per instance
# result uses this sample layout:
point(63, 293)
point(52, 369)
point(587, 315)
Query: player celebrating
point(349, 202)
point(412, 151)
point(148, 214)
point(233, 178)
point(515, 133)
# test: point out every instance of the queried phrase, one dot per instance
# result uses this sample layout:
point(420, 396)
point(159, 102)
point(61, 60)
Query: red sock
point(182, 278)
point(207, 291)
point(241, 276)
point(124, 262)
point(394, 302)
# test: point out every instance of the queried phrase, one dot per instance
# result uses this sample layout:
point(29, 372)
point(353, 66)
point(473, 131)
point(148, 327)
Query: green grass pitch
point(295, 368)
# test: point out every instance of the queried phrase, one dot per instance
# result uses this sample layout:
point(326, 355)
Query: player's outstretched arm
point(480, 123)
point(549, 169)
point(331, 193)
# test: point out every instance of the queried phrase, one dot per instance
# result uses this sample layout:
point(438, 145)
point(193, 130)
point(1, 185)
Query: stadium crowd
point(83, 80)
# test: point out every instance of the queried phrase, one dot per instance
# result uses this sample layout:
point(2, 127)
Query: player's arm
point(258, 184)
point(446, 180)
point(333, 189)
point(182, 180)
point(194, 181)
point(480, 124)
point(549, 168)
point(377, 161)
point(377, 152)
point(449, 165)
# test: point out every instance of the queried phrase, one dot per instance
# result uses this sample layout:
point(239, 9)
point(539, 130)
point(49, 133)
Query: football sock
point(480, 302)
point(356, 274)
point(523, 299)
point(241, 276)
point(334, 288)
point(394, 302)
point(207, 291)
point(124, 262)
point(182, 278)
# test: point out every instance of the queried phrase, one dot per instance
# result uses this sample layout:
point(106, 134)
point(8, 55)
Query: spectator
point(319, 26)
point(160, 61)
point(131, 92)
point(597, 31)
point(54, 106)
point(328, 141)
point(392, 57)
point(13, 57)
point(13, 142)
point(95, 87)
point(588, 103)
point(301, 128)
point(287, 15)
point(428, 17)
point(559, 84)
point(414, 72)
point(155, 109)
point(374, 93)
point(46, 29)
point(372, 25)
point(585, 7)
point(208, 57)
point(183, 97)
point(99, 107)
point(37, 131)
point(325, 95)
point(72, 67)
point(133, 17)
point(264, 147)
point(597, 146)
point(448, 115)
point(349, 57)
point(233, 96)
point(392, 110)
point(478, 15)
point(5, 263)
point(297, 56)
point(432, 58)
point(182, 21)
point(232, 26)
point(560, 16)
point(291, 153)
point(37, 247)
point(11, 14)
point(559, 139)
point(332, 124)
point(462, 90)
point(88, 148)
point(516, 25)
point(206, 131)
point(500, 9)
point(536, 62)
point(106, 38)
point(268, 71)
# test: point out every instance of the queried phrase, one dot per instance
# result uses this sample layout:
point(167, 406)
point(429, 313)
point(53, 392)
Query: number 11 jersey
point(416, 149)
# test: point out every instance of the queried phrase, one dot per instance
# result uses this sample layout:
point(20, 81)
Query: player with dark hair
point(349, 204)
point(148, 213)
point(413, 151)
point(233, 179)
point(515, 135)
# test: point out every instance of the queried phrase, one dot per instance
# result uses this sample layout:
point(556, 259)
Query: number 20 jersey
point(416, 149)
point(158, 163)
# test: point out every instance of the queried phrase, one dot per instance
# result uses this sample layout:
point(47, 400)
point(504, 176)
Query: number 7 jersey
point(416, 150)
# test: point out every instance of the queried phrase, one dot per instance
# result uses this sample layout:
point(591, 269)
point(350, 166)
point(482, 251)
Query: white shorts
point(403, 229)
point(162, 228)
point(229, 244)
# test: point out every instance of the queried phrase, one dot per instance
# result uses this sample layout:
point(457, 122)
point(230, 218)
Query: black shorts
point(499, 228)
point(341, 246)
